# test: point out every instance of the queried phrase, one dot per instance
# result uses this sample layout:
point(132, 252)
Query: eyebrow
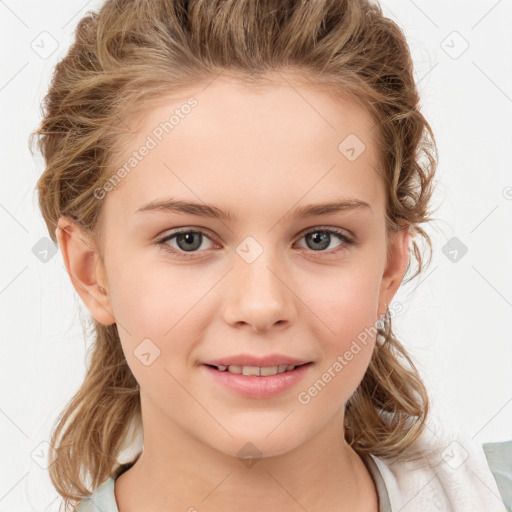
point(207, 210)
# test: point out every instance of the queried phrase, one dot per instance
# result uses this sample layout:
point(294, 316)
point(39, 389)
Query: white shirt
point(453, 475)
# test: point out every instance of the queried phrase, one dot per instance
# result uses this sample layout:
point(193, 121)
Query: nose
point(258, 295)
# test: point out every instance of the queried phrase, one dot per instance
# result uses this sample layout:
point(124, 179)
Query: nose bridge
point(258, 266)
point(259, 295)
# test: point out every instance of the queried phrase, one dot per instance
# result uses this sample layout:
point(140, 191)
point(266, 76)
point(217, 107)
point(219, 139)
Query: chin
point(249, 449)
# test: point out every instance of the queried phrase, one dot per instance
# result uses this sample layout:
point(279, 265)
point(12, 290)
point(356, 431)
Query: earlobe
point(85, 269)
point(396, 267)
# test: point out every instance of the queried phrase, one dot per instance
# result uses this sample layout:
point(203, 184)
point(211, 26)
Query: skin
point(260, 153)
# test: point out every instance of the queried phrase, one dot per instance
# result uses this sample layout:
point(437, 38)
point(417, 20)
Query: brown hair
point(132, 52)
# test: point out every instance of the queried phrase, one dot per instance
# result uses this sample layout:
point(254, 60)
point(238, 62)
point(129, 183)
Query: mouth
point(259, 371)
point(257, 382)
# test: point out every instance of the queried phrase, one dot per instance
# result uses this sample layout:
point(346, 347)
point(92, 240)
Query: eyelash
point(164, 246)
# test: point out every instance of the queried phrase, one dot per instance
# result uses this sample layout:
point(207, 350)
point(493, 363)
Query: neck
point(321, 474)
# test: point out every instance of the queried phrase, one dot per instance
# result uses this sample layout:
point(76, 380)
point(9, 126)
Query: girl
point(282, 141)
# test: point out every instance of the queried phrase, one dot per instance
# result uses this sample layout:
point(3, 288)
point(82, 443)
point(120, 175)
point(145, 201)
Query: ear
point(395, 269)
point(85, 269)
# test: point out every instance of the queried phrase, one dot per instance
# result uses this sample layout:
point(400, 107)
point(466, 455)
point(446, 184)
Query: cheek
point(164, 315)
point(345, 324)
point(345, 302)
point(151, 300)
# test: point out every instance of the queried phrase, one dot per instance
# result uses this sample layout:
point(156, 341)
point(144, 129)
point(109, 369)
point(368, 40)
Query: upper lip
point(250, 360)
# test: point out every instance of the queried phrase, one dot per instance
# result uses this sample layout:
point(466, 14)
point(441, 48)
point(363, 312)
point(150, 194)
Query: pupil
point(321, 238)
point(189, 238)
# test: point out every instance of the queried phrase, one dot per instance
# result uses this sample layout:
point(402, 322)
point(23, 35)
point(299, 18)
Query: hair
point(130, 53)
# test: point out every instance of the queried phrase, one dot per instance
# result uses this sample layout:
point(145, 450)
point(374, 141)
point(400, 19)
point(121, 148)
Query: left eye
point(322, 238)
point(188, 241)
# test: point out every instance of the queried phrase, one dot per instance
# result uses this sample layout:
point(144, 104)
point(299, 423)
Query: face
point(266, 281)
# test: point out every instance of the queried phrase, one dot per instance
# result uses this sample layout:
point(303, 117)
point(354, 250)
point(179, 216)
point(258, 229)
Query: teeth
point(256, 370)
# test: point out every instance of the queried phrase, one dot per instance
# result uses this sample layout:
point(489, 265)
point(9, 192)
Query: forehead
point(236, 142)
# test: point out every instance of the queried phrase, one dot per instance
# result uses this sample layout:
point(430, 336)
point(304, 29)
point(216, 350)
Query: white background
point(456, 317)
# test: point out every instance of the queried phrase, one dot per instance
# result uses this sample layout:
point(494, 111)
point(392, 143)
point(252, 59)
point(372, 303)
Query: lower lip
point(259, 387)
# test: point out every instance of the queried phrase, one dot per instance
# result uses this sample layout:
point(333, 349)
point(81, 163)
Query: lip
point(252, 360)
point(252, 386)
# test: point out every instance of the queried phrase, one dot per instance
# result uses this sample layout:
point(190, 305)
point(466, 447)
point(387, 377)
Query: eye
point(320, 238)
point(188, 241)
